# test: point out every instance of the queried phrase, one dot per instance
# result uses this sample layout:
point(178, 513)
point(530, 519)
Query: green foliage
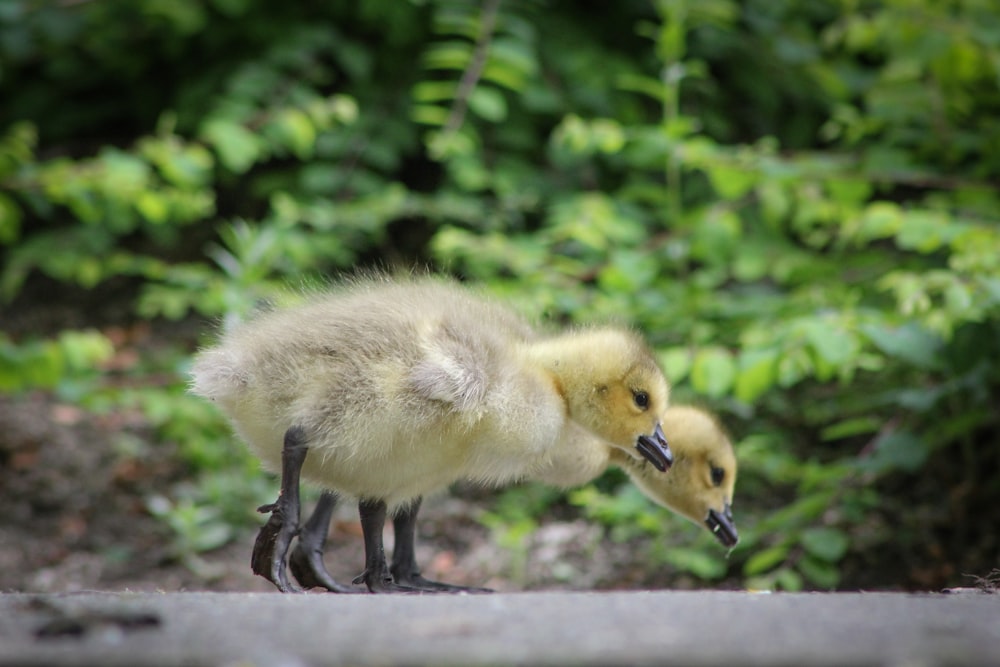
point(795, 201)
point(51, 364)
point(628, 516)
point(513, 518)
point(222, 482)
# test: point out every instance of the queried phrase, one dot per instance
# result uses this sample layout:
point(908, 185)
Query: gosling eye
point(641, 399)
point(718, 474)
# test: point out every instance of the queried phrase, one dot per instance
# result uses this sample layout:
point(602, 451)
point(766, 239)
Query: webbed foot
point(404, 562)
point(271, 546)
point(306, 561)
point(382, 583)
point(416, 581)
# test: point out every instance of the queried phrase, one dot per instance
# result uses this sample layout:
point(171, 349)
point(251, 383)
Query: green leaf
point(628, 271)
point(511, 62)
point(850, 427)
point(644, 85)
point(787, 579)
point(429, 114)
point(238, 148)
point(231, 7)
point(211, 536)
point(186, 165)
point(434, 91)
point(713, 371)
point(676, 363)
point(923, 231)
point(293, 129)
point(85, 349)
point(716, 236)
point(822, 574)
point(880, 220)
point(607, 135)
point(827, 544)
point(125, 173)
point(731, 182)
point(153, 206)
point(834, 347)
point(451, 55)
point(699, 563)
point(758, 372)
point(775, 200)
point(900, 450)
point(765, 560)
point(753, 261)
point(10, 220)
point(958, 298)
point(851, 191)
point(910, 342)
point(831, 342)
point(488, 103)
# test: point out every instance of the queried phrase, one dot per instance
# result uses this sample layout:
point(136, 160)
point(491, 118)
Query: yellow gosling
point(398, 388)
point(699, 485)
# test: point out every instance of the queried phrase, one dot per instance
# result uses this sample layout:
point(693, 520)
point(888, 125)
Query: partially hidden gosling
point(701, 480)
point(385, 390)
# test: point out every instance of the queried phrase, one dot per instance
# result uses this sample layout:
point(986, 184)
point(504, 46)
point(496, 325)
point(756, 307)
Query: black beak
point(723, 527)
point(654, 448)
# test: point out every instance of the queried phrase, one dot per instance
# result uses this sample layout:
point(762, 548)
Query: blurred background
point(796, 202)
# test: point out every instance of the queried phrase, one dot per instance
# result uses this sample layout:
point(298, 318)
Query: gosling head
point(614, 388)
point(700, 485)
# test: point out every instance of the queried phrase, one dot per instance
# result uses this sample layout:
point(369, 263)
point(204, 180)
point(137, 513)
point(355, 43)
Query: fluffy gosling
point(701, 483)
point(398, 388)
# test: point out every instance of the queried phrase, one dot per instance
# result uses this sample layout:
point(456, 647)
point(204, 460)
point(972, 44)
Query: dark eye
point(641, 399)
point(718, 474)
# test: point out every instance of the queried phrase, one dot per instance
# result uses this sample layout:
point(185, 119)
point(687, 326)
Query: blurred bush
point(795, 201)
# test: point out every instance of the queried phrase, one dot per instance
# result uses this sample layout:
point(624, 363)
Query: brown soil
point(75, 518)
point(75, 490)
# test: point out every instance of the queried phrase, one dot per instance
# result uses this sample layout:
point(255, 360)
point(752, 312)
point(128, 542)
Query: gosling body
point(399, 388)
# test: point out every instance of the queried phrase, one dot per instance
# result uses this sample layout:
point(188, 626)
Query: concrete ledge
point(617, 628)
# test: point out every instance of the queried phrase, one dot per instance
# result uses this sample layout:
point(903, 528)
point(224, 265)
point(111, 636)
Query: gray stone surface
point(634, 628)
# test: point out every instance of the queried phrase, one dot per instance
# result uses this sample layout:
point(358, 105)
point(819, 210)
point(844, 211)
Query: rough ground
point(76, 518)
point(75, 490)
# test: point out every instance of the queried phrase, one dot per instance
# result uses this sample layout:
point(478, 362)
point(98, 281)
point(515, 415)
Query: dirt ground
point(74, 511)
point(75, 518)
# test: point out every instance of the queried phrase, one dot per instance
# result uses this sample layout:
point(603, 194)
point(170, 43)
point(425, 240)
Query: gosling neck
point(573, 361)
point(663, 489)
point(578, 458)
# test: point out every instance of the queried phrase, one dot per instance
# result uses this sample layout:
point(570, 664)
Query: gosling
point(701, 481)
point(701, 486)
point(399, 388)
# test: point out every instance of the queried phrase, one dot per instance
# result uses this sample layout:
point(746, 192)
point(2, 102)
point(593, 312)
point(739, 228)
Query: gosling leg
point(271, 546)
point(306, 561)
point(404, 562)
point(376, 575)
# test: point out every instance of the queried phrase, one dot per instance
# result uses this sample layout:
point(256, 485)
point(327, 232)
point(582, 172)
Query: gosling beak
point(654, 448)
point(722, 526)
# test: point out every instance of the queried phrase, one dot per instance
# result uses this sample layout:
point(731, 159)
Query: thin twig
point(470, 77)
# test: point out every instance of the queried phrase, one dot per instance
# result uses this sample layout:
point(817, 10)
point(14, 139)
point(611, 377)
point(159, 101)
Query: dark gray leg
point(404, 562)
point(271, 546)
point(306, 561)
point(376, 575)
